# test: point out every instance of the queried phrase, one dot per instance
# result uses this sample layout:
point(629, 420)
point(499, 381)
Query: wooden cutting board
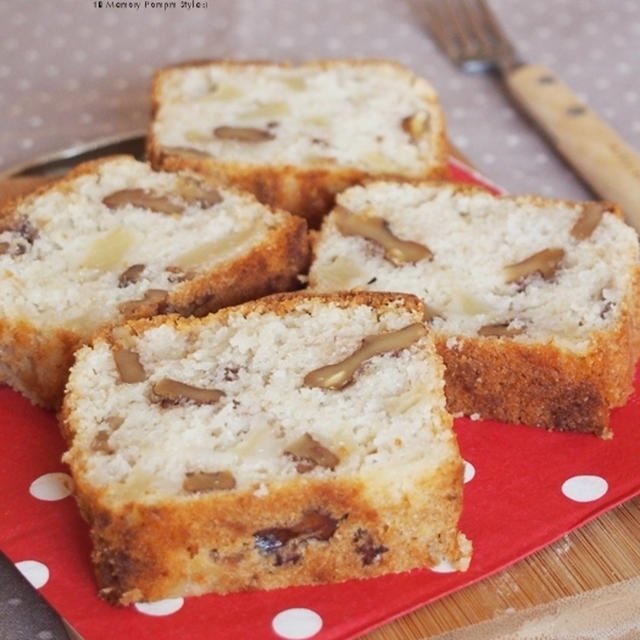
point(604, 552)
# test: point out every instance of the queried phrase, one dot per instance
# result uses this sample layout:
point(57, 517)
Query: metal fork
point(471, 36)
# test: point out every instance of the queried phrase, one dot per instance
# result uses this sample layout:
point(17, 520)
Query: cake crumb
point(452, 342)
point(261, 491)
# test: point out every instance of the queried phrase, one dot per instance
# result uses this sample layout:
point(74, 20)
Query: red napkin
point(525, 488)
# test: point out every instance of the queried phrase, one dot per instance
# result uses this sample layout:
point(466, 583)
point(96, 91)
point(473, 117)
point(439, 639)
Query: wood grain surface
point(603, 552)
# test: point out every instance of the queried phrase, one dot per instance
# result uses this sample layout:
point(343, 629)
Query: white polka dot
point(79, 55)
point(591, 29)
point(444, 566)
point(586, 488)
point(480, 98)
point(105, 42)
point(381, 43)
point(44, 635)
point(541, 158)
point(623, 68)
point(286, 42)
point(72, 84)
point(220, 22)
point(64, 18)
point(35, 572)
point(635, 125)
point(461, 141)
point(469, 471)
point(24, 84)
point(152, 43)
point(18, 19)
point(333, 44)
point(631, 97)
point(160, 607)
point(51, 486)
point(26, 143)
point(99, 71)
point(297, 623)
point(544, 33)
point(489, 158)
point(513, 140)
point(110, 19)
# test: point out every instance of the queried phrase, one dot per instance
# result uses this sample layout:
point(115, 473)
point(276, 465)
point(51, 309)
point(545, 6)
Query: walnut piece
point(100, 442)
point(545, 262)
point(186, 151)
point(142, 198)
point(310, 453)
point(203, 481)
point(128, 366)
point(589, 219)
point(130, 275)
point(153, 300)
point(193, 191)
point(367, 547)
point(284, 542)
point(242, 134)
point(376, 229)
point(340, 374)
point(500, 329)
point(416, 125)
point(173, 391)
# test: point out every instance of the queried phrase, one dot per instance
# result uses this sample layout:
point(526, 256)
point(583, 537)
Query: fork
point(470, 34)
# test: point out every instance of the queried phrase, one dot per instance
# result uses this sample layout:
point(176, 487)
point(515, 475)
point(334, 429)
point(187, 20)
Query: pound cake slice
point(295, 439)
point(535, 303)
point(297, 135)
point(116, 240)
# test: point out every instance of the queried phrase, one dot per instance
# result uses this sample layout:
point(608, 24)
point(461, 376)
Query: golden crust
point(161, 548)
point(169, 548)
point(305, 191)
point(280, 304)
point(36, 361)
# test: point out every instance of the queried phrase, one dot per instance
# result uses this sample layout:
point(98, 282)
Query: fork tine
point(505, 51)
point(476, 25)
point(458, 19)
point(442, 29)
point(469, 33)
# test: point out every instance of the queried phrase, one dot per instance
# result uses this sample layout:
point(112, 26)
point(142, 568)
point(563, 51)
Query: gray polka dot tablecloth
point(74, 70)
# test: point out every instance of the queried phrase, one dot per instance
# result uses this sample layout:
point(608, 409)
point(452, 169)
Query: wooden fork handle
point(595, 151)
